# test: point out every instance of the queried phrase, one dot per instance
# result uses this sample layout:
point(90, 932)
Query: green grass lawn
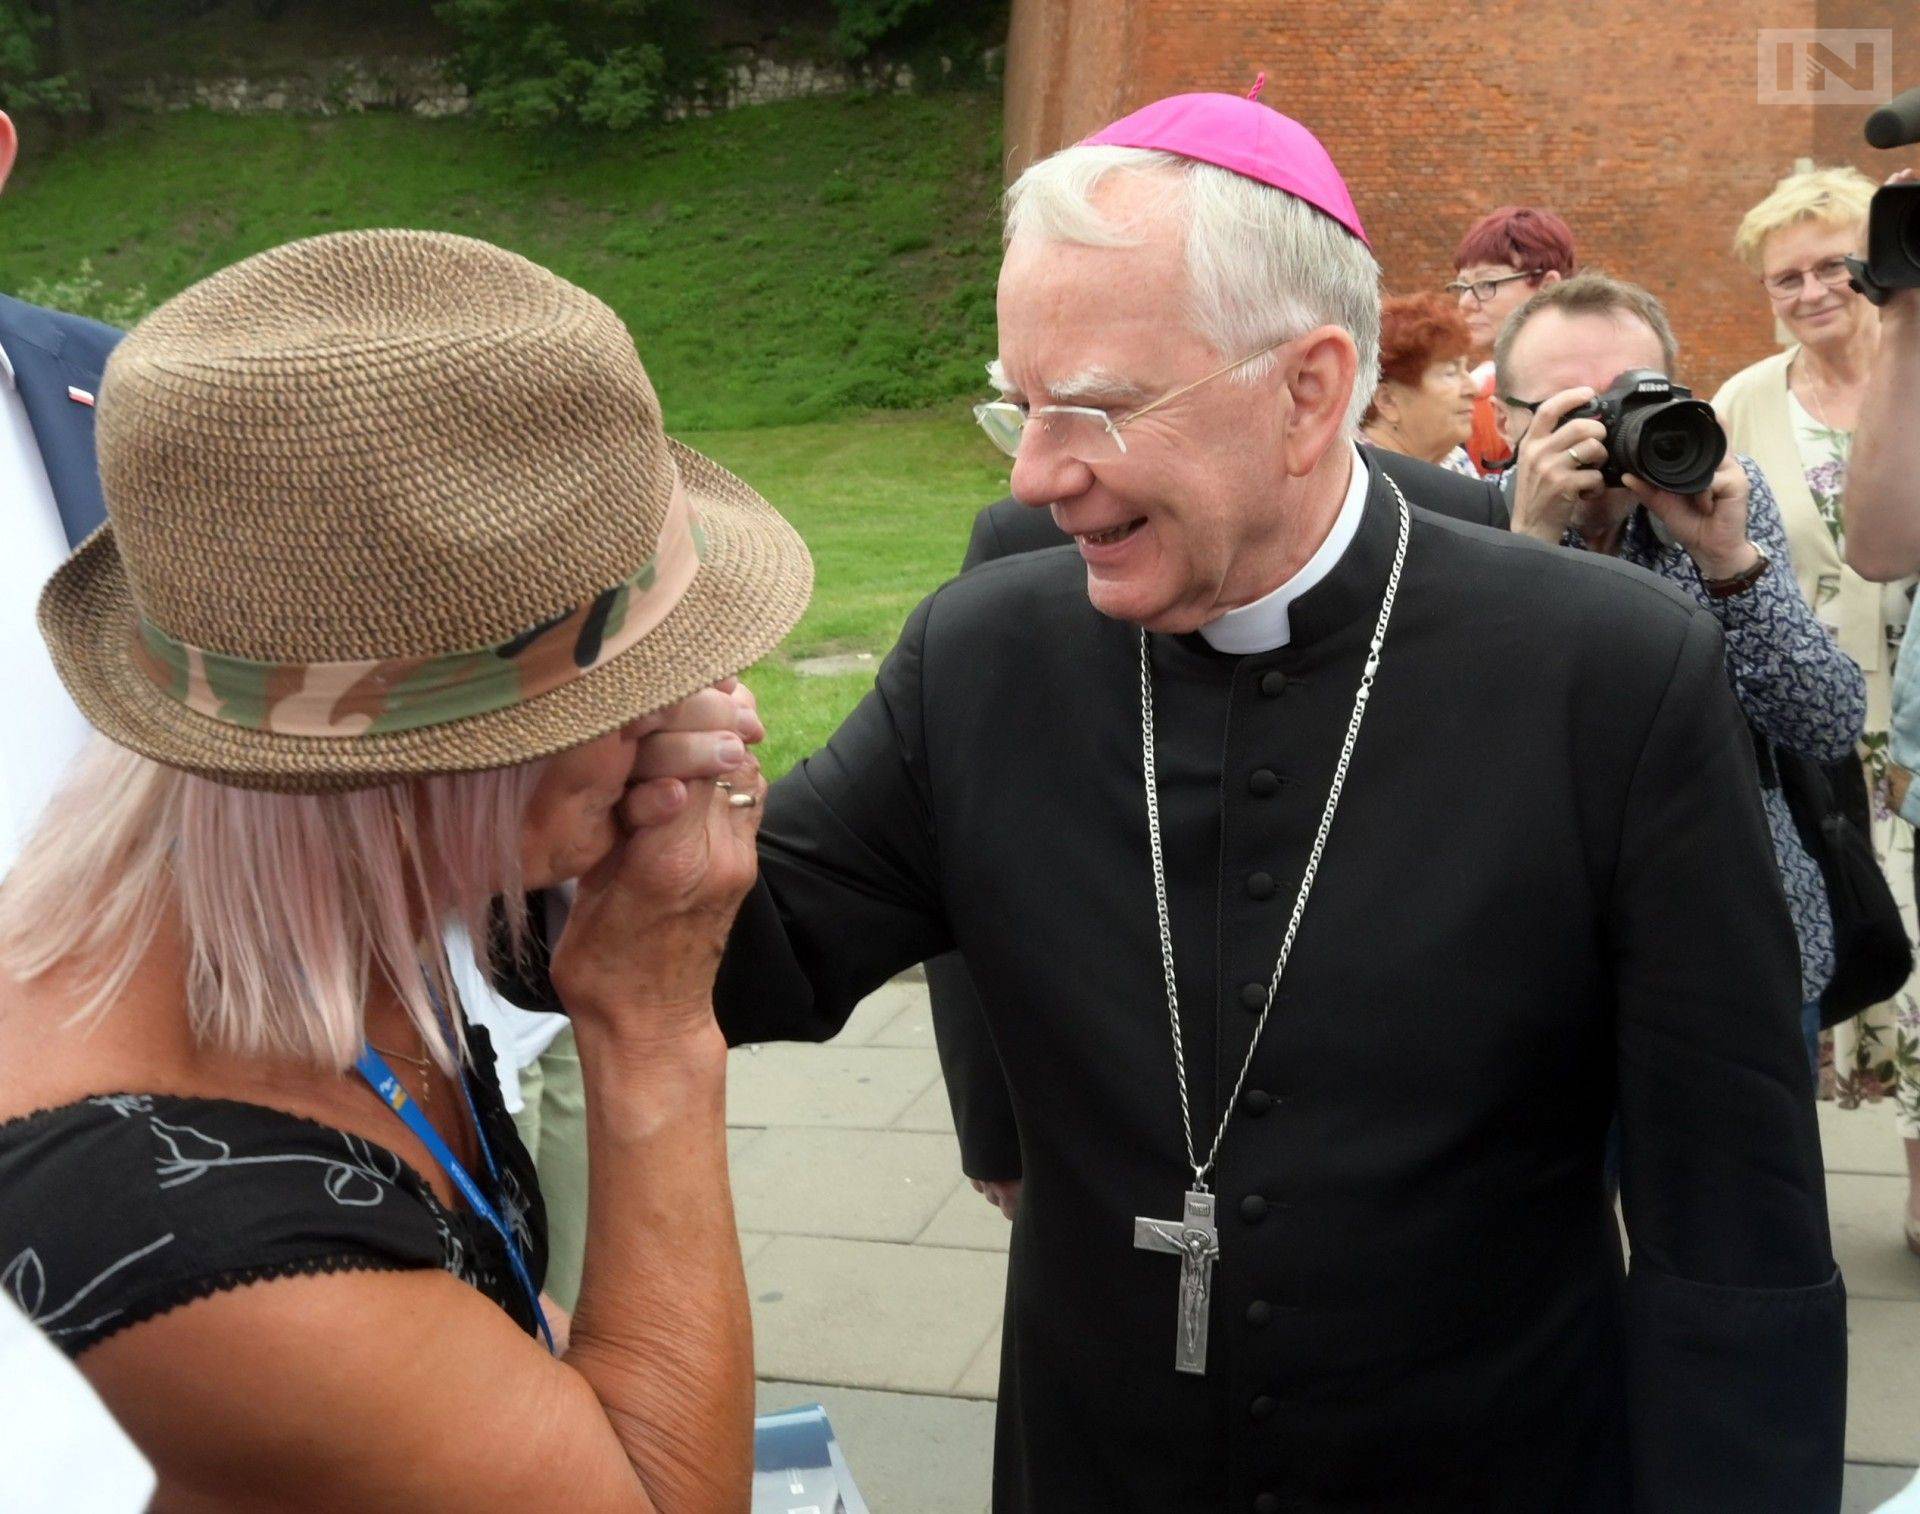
point(786, 270)
point(884, 502)
point(785, 263)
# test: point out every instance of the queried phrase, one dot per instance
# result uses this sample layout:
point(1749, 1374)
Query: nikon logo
point(1826, 66)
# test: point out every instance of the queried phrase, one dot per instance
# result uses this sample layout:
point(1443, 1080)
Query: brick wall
point(1637, 120)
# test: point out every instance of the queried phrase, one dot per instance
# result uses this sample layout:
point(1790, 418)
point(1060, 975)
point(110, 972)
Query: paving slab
point(930, 1111)
point(1861, 1140)
point(878, 1010)
point(835, 665)
point(966, 1219)
point(869, 1314)
point(752, 1244)
point(740, 1137)
point(853, 1087)
point(912, 1026)
point(910, 1453)
point(1869, 1241)
point(1867, 1487)
point(982, 1377)
point(864, 1185)
point(1883, 1381)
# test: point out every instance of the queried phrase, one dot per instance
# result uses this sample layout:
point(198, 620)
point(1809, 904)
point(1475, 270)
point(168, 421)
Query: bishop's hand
point(648, 924)
point(1003, 1194)
point(704, 736)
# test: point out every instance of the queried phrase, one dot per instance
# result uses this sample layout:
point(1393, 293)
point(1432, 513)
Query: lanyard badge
point(379, 1076)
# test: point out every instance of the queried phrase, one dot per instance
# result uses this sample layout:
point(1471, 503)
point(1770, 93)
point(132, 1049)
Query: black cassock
point(1549, 888)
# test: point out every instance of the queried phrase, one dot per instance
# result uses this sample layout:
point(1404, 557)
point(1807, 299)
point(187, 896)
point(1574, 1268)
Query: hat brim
point(752, 586)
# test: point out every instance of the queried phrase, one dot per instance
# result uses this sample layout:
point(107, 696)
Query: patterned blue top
point(1795, 686)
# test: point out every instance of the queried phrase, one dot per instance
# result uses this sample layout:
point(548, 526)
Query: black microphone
point(1897, 123)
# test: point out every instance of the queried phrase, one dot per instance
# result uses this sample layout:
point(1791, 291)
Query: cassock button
point(1256, 1101)
point(1259, 885)
point(1253, 997)
point(1258, 1313)
point(1263, 783)
point(1253, 1209)
point(1267, 1503)
point(1273, 683)
point(1261, 1407)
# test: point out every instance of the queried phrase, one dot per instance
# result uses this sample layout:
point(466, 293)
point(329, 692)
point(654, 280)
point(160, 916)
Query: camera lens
point(1908, 233)
point(1674, 446)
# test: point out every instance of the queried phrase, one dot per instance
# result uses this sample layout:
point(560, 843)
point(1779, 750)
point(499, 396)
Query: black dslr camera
point(1657, 431)
point(1893, 222)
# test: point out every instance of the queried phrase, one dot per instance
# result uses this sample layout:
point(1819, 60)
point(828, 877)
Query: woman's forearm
point(1882, 502)
point(662, 1330)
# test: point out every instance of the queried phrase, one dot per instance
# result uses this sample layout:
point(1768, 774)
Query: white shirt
point(519, 1036)
point(1265, 625)
point(42, 731)
point(61, 1449)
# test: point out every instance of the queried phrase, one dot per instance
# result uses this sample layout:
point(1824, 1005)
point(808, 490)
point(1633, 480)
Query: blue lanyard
point(373, 1067)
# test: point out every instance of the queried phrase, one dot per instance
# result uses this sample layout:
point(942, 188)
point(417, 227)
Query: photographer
point(1723, 546)
point(1882, 512)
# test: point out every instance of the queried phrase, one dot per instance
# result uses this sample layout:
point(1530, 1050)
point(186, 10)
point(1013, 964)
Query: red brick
point(1638, 120)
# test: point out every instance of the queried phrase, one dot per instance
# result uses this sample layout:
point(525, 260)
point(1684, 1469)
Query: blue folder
point(798, 1467)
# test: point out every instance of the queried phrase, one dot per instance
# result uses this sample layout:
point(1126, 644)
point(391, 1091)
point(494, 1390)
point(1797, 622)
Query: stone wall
point(764, 81)
point(426, 87)
point(338, 86)
point(1639, 121)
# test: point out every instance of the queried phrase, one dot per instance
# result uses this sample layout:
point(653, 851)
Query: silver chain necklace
point(1196, 1239)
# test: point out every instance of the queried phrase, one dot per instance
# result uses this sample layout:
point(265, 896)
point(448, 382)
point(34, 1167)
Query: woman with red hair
point(1424, 405)
point(1506, 256)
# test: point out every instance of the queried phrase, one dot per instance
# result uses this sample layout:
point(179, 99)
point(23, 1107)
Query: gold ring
point(743, 801)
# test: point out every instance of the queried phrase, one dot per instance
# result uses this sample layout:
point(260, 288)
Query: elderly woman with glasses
point(1794, 413)
point(1423, 406)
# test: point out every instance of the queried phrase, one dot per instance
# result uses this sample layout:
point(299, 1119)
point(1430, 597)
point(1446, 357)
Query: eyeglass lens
point(1829, 271)
point(1082, 434)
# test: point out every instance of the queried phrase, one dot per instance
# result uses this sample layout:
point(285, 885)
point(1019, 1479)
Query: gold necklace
point(424, 1063)
point(1819, 410)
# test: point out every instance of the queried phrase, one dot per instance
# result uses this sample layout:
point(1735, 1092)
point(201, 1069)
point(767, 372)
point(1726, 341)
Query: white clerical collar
point(1264, 625)
point(7, 380)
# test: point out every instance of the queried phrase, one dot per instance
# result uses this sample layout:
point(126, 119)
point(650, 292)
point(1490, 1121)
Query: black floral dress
point(120, 1207)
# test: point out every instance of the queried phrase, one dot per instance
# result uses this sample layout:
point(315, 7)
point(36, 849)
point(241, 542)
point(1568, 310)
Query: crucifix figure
point(1197, 1243)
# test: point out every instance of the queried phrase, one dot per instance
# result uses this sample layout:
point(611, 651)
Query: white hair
point(1265, 265)
point(291, 906)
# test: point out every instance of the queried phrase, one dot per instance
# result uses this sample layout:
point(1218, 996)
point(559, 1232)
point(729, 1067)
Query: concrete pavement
point(876, 1272)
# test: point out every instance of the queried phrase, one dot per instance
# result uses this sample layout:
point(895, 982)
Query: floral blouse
point(1794, 684)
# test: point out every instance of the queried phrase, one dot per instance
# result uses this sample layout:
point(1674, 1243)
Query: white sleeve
point(61, 1449)
point(519, 1035)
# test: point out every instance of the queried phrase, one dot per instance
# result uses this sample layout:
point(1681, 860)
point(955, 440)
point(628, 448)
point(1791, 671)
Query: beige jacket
point(1752, 405)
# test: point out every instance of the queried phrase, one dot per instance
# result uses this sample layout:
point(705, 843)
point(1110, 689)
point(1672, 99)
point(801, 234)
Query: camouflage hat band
point(350, 699)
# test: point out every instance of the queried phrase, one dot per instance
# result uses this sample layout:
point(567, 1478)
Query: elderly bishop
point(1332, 871)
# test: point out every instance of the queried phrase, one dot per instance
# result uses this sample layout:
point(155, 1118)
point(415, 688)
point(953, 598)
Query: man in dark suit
point(976, 1086)
point(50, 366)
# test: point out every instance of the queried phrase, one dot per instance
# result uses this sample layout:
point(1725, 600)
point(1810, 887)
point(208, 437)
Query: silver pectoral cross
point(1197, 1243)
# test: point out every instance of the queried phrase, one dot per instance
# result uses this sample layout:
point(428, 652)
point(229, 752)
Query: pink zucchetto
point(1245, 137)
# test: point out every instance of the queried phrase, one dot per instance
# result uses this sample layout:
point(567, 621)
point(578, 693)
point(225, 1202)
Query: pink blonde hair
point(291, 905)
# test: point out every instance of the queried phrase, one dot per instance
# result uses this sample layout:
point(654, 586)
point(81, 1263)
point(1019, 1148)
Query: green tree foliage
point(923, 33)
point(604, 65)
point(26, 80)
point(85, 293)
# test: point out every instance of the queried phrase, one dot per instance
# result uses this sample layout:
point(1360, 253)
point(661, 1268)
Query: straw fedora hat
point(386, 503)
